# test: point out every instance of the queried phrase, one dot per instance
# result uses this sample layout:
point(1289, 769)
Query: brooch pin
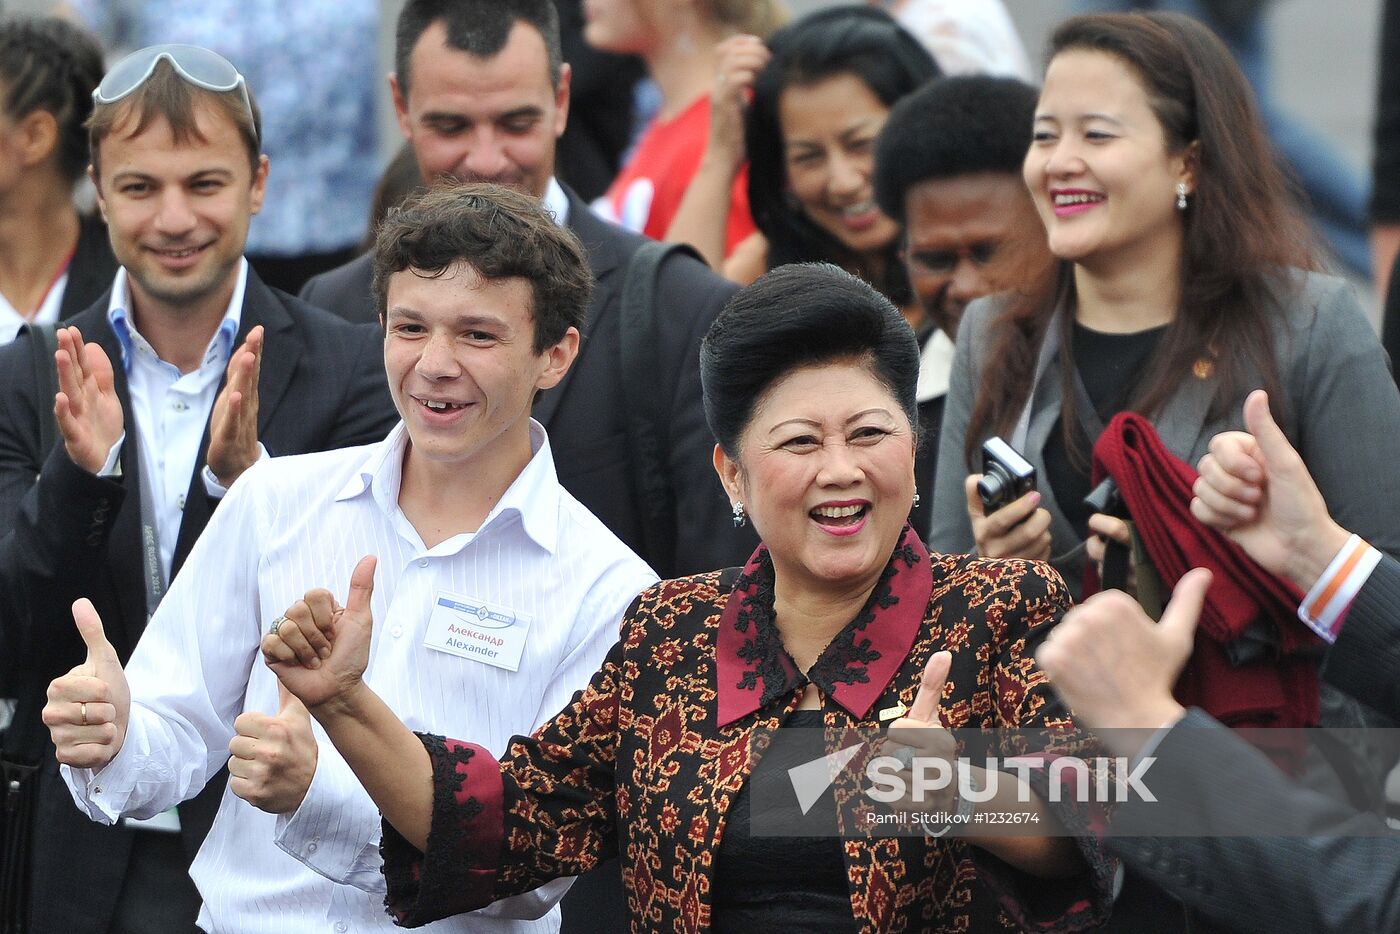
point(893, 713)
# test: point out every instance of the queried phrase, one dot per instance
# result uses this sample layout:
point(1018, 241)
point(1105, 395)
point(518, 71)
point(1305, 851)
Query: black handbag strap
point(42, 346)
point(647, 422)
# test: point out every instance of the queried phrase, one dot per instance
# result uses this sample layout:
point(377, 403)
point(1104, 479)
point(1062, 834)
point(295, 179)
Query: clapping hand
point(233, 426)
point(86, 407)
point(741, 58)
point(319, 650)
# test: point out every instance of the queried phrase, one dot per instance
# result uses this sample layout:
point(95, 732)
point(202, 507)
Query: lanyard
point(153, 575)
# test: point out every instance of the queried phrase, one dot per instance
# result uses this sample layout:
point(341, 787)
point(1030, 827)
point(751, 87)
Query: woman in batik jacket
point(840, 620)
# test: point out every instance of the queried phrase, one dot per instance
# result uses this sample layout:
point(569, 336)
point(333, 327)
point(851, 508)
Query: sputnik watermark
point(1099, 780)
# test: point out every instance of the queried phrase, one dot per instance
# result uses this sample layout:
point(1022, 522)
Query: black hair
point(477, 27)
point(50, 64)
point(949, 127)
point(799, 315)
point(499, 232)
point(857, 40)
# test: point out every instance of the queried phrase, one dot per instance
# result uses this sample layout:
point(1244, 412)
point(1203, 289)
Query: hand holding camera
point(1007, 518)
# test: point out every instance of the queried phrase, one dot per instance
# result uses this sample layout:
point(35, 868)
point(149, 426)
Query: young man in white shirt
point(498, 593)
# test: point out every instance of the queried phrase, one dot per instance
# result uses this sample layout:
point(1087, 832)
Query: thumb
point(974, 499)
point(100, 651)
point(362, 589)
point(1183, 611)
point(289, 706)
point(1273, 443)
point(925, 707)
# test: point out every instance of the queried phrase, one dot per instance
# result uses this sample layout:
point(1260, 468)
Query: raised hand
point(233, 426)
point(319, 650)
point(88, 708)
point(1020, 529)
point(1256, 489)
point(741, 58)
point(922, 732)
point(1115, 667)
point(86, 407)
point(272, 759)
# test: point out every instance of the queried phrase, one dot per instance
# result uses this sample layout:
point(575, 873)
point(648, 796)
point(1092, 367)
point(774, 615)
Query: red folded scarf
point(1156, 486)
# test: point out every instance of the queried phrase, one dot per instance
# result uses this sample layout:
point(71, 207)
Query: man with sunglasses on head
point(172, 385)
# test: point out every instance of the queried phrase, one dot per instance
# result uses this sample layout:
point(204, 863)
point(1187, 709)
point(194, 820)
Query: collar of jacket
point(753, 669)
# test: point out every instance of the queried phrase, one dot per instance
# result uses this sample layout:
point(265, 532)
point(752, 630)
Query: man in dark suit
point(482, 94)
point(183, 376)
point(1322, 866)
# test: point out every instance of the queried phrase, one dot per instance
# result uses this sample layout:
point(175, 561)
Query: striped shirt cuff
point(1324, 608)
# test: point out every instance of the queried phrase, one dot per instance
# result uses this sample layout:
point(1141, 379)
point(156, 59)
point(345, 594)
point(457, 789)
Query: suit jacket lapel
point(282, 348)
point(604, 260)
point(1184, 416)
point(125, 551)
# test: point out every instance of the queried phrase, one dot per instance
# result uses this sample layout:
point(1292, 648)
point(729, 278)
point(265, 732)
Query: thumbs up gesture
point(272, 759)
point(318, 649)
point(1115, 667)
point(87, 708)
point(919, 736)
point(1255, 488)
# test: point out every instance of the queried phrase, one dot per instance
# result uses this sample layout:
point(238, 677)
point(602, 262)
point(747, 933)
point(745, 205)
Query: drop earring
point(1181, 196)
point(740, 517)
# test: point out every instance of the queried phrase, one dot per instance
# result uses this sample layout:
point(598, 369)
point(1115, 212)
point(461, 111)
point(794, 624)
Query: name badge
point(475, 629)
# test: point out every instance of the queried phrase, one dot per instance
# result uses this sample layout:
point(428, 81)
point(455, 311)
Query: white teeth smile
point(837, 512)
point(856, 210)
point(443, 406)
point(1063, 200)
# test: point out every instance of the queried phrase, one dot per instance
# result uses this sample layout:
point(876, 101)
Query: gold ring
point(276, 625)
point(83, 709)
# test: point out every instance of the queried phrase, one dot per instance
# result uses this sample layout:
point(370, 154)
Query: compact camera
point(1006, 475)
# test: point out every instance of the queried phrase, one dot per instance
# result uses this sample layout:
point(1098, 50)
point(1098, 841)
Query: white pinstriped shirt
point(295, 523)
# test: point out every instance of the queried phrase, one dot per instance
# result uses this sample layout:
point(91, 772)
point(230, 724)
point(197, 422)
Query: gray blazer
point(1342, 413)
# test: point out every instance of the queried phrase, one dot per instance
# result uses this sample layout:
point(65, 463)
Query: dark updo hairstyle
point(1243, 230)
point(855, 40)
point(964, 125)
point(804, 314)
point(50, 64)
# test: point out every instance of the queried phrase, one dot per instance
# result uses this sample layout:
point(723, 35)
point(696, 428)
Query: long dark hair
point(856, 40)
point(1243, 229)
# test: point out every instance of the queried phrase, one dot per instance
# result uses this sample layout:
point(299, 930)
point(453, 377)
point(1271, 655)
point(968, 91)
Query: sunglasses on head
point(198, 66)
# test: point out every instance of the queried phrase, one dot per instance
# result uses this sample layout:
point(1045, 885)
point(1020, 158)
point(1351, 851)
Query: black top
point(772, 883)
point(1110, 366)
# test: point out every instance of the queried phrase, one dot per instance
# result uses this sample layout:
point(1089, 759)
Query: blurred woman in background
point(809, 139)
point(54, 262)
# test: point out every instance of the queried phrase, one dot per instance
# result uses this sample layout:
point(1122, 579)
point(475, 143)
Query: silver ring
point(276, 625)
point(82, 706)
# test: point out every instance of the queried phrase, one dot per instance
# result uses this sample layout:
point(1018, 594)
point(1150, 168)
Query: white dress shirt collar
point(220, 345)
point(533, 495)
point(556, 202)
point(11, 320)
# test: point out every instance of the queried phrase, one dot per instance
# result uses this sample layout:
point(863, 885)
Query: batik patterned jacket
point(648, 758)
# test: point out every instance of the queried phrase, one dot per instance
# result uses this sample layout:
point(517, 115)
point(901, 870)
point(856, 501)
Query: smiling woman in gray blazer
point(1187, 279)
